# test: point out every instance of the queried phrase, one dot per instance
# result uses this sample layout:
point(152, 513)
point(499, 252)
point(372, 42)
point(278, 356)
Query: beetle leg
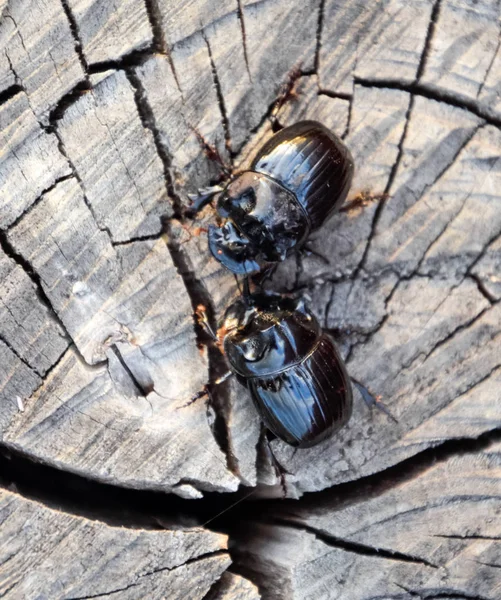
point(363, 199)
point(280, 471)
point(246, 290)
point(265, 275)
point(203, 321)
point(205, 391)
point(202, 198)
point(211, 152)
point(223, 378)
point(373, 401)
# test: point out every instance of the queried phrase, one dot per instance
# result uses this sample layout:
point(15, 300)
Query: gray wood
point(109, 117)
point(30, 161)
point(39, 52)
point(380, 41)
point(108, 30)
point(467, 62)
point(235, 587)
point(115, 157)
point(115, 300)
point(26, 324)
point(435, 535)
point(49, 554)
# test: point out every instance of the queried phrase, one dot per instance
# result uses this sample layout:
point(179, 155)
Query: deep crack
point(355, 547)
point(76, 35)
point(149, 122)
point(218, 395)
point(241, 19)
point(220, 99)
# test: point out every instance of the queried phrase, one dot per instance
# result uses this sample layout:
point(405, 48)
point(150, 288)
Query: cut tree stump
point(110, 115)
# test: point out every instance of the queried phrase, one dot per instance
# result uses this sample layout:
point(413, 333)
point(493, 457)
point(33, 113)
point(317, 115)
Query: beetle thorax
point(266, 338)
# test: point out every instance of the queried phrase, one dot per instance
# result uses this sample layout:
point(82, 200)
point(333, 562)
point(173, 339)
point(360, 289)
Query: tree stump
point(113, 483)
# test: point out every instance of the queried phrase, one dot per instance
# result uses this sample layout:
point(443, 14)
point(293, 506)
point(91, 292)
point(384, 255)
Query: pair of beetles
point(274, 345)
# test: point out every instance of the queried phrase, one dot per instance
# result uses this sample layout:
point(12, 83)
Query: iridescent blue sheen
point(292, 369)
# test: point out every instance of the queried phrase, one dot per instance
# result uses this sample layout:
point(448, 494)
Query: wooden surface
point(103, 107)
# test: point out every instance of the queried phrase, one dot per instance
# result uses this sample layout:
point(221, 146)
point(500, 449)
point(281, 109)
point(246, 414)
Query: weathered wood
point(110, 114)
point(116, 160)
point(108, 30)
point(463, 47)
point(26, 324)
point(45, 553)
point(234, 587)
point(379, 41)
point(434, 535)
point(30, 159)
point(39, 52)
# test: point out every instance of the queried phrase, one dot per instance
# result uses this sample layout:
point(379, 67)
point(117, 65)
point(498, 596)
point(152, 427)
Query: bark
point(110, 114)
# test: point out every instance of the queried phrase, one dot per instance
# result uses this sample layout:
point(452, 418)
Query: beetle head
point(260, 222)
point(270, 334)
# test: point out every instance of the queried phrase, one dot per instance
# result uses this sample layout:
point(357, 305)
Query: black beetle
point(296, 377)
point(292, 369)
point(297, 180)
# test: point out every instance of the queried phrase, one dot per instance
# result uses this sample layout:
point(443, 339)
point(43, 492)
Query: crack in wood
point(442, 594)
point(468, 537)
point(134, 58)
point(140, 238)
point(201, 557)
point(382, 202)
point(491, 64)
point(149, 122)
point(331, 94)
point(320, 26)
point(355, 547)
point(482, 289)
point(448, 337)
point(241, 19)
point(76, 175)
point(140, 388)
point(10, 251)
point(76, 36)
point(415, 272)
point(37, 200)
point(10, 92)
point(218, 394)
point(435, 13)
point(16, 353)
point(155, 18)
point(144, 509)
point(57, 113)
point(220, 99)
point(438, 94)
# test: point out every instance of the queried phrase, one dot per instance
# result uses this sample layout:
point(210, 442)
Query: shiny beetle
point(292, 369)
point(297, 180)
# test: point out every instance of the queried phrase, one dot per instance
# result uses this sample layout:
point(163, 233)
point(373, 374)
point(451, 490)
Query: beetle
point(292, 368)
point(296, 181)
point(295, 375)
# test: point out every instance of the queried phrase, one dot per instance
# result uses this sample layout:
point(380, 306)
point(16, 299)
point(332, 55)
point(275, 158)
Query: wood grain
point(30, 161)
point(39, 53)
point(111, 113)
point(47, 553)
point(116, 159)
point(435, 535)
point(108, 30)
